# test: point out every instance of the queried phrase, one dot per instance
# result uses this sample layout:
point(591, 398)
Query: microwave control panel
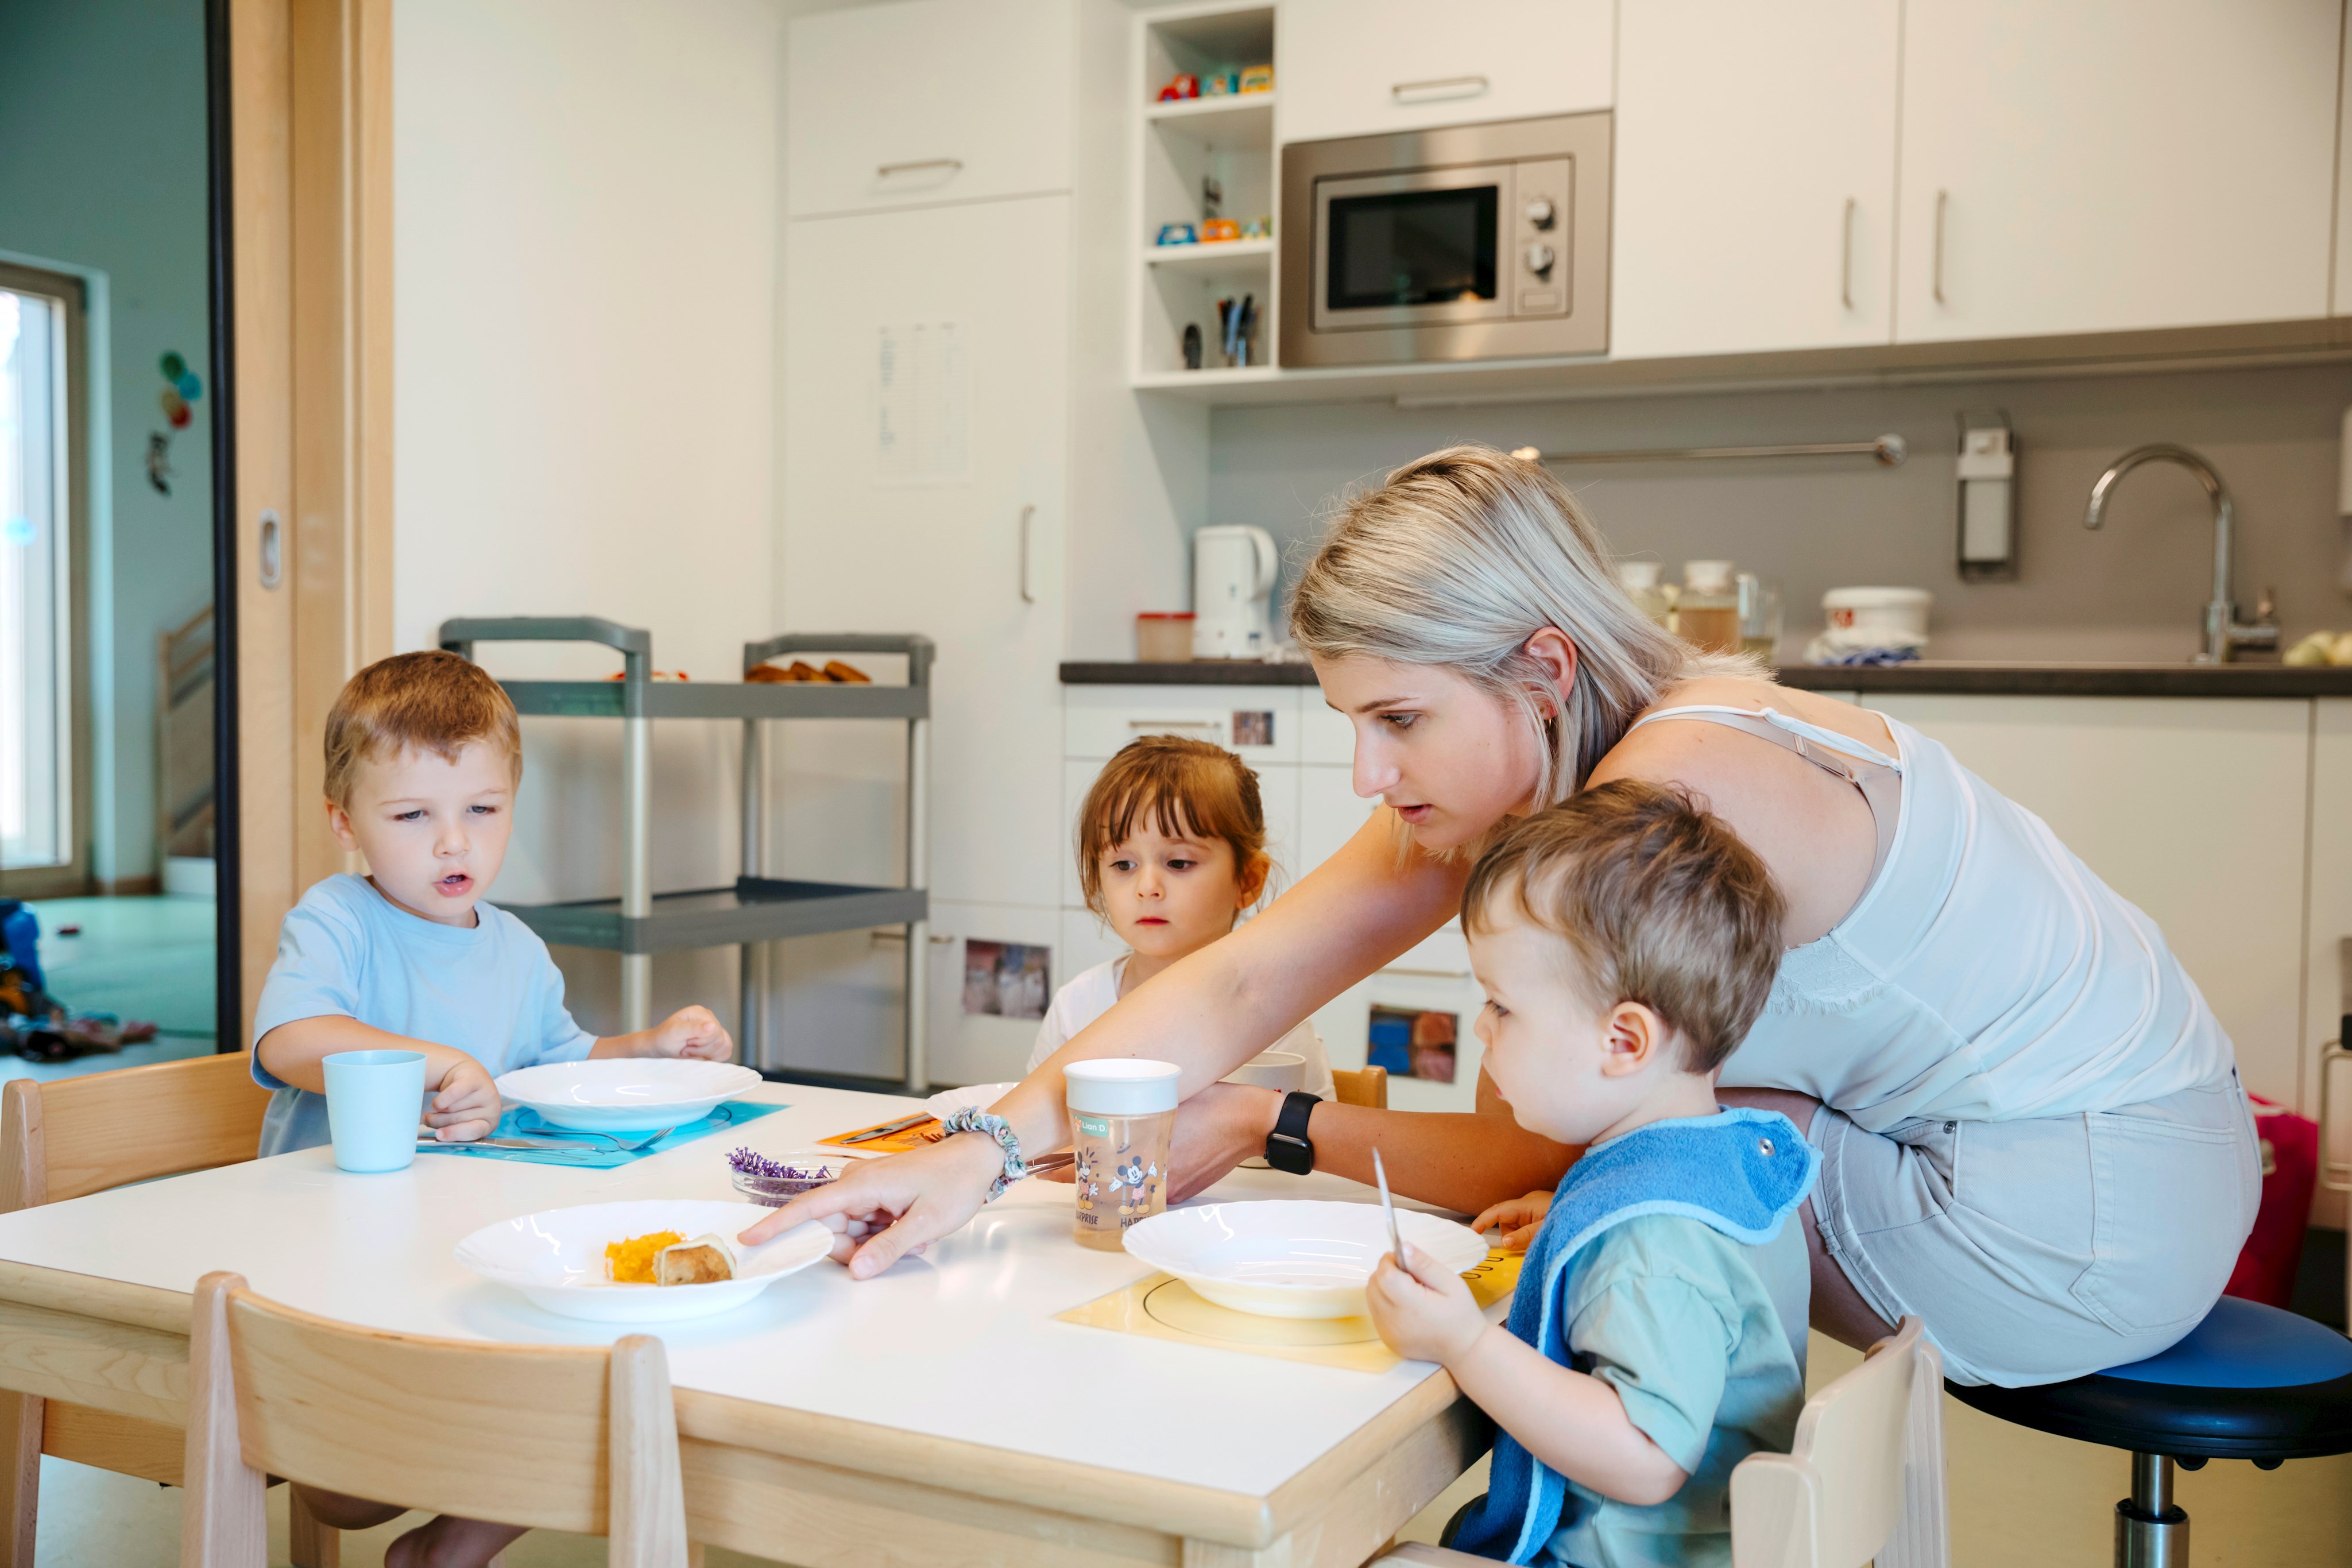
point(1544, 207)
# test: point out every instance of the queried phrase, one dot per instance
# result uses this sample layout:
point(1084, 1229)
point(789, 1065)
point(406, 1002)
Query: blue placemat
point(522, 1123)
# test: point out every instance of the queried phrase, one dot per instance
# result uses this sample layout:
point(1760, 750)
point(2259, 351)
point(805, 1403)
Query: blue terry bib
point(1741, 1172)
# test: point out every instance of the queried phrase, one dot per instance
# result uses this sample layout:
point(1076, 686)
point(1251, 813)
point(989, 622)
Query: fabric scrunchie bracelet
point(973, 1120)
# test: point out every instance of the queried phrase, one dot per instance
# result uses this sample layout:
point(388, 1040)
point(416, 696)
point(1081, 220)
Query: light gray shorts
point(2043, 1250)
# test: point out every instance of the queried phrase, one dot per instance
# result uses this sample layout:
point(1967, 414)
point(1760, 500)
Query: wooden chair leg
point(694, 1555)
point(224, 1516)
point(647, 1508)
point(310, 1543)
point(20, 1476)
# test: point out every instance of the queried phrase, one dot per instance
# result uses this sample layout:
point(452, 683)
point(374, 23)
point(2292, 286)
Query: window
point(37, 826)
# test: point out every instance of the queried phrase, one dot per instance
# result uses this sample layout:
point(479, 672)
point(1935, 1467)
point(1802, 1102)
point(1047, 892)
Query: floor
point(147, 958)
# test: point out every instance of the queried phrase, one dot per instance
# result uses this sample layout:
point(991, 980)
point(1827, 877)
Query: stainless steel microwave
point(1476, 242)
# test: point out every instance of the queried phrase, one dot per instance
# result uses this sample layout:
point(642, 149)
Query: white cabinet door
point(2192, 809)
point(929, 102)
point(1257, 723)
point(969, 1043)
point(1755, 176)
point(2328, 994)
point(2112, 164)
point(937, 542)
point(1351, 67)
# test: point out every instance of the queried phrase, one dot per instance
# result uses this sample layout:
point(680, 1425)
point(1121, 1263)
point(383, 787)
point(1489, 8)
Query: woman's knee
point(338, 1511)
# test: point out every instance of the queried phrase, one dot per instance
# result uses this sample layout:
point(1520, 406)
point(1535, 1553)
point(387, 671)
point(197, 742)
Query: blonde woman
point(2031, 1127)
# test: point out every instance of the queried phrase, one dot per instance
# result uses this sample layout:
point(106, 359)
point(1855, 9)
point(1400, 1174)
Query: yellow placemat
point(1163, 1307)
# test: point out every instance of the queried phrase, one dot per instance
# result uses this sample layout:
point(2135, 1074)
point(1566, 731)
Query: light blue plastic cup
point(374, 1101)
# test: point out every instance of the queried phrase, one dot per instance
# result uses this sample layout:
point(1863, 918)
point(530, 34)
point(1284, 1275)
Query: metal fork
point(618, 1146)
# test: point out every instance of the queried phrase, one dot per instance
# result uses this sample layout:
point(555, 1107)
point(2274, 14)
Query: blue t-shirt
point(347, 951)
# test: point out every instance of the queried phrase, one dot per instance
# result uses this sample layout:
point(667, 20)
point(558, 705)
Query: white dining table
point(938, 1414)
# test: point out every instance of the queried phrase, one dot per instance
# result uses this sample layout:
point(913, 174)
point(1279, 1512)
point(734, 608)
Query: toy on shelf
point(1257, 78)
point(1258, 228)
point(1177, 234)
point(1221, 84)
point(1216, 230)
point(1183, 85)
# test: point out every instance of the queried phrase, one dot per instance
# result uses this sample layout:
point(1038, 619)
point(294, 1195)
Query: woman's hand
point(1424, 1311)
point(1518, 1219)
point(881, 1210)
point(1217, 1129)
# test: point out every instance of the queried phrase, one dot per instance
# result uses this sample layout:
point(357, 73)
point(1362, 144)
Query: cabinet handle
point(1845, 259)
point(272, 551)
point(1169, 725)
point(1943, 199)
point(2335, 1175)
point(1028, 515)
point(1438, 89)
point(1428, 974)
point(885, 171)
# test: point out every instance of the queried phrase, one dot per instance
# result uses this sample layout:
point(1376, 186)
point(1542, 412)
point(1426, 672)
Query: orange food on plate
point(631, 1262)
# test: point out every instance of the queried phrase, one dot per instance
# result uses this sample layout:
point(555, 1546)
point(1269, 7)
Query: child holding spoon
point(1627, 940)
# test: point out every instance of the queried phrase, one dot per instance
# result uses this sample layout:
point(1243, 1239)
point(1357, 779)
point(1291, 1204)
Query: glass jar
point(1759, 616)
point(1654, 598)
point(1706, 612)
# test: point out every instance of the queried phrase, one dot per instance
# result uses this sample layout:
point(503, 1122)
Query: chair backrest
point(1369, 1087)
point(80, 1136)
point(1865, 1481)
point(553, 1437)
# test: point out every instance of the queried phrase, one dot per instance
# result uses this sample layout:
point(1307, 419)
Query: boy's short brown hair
point(1189, 788)
point(433, 701)
point(1658, 900)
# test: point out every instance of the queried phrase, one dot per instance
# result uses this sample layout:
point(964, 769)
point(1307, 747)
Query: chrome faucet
point(2224, 632)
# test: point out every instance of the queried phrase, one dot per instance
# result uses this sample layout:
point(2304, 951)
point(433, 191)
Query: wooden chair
point(553, 1437)
point(1864, 1482)
point(80, 1136)
point(1369, 1087)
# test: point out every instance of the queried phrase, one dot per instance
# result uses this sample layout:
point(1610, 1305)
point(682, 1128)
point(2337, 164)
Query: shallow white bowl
point(625, 1094)
point(978, 1096)
point(556, 1258)
point(1291, 1258)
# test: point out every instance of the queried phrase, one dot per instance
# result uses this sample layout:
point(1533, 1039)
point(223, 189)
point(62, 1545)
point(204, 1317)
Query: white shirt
point(1091, 995)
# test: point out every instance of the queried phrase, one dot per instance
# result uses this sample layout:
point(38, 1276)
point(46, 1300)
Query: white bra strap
point(1843, 743)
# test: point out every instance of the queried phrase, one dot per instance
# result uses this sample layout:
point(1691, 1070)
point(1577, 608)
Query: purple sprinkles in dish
point(751, 1163)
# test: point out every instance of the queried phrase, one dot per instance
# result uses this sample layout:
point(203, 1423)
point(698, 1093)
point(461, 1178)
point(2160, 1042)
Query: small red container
point(1164, 637)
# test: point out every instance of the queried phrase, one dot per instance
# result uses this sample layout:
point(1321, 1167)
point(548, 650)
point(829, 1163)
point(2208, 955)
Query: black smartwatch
point(1287, 1147)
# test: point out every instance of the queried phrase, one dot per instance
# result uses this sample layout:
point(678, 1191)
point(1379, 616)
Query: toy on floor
point(33, 1024)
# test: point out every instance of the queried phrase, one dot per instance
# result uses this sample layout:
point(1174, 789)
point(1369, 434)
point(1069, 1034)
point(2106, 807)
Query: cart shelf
point(756, 909)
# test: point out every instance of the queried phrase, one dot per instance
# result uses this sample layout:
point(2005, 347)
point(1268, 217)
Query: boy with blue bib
point(1627, 940)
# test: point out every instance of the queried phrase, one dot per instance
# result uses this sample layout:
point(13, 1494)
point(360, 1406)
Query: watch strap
point(1287, 1147)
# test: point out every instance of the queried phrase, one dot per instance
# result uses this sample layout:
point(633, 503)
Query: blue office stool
point(2250, 1381)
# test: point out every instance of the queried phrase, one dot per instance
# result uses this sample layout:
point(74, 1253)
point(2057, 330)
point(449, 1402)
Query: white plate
point(979, 1097)
point(1291, 1258)
point(556, 1258)
point(625, 1094)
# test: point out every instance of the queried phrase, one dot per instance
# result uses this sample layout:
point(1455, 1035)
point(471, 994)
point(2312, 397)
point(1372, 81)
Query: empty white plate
point(625, 1094)
point(556, 1258)
point(1291, 1258)
point(977, 1097)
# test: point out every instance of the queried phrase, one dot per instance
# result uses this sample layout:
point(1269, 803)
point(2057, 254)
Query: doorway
point(112, 766)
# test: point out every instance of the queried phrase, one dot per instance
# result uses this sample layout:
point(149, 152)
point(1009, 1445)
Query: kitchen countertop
point(1924, 677)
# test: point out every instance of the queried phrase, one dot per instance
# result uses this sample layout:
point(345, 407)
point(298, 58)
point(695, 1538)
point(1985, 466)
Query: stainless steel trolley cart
point(758, 909)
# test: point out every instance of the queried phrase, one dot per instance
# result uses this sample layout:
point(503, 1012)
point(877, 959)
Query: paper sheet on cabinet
point(922, 402)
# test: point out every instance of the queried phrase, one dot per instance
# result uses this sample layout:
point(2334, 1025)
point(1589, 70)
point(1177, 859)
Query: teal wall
point(103, 174)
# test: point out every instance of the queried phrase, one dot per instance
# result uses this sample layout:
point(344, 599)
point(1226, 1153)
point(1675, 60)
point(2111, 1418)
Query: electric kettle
point(1234, 567)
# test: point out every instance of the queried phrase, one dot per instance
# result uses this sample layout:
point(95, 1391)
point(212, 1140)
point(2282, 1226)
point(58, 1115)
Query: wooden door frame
point(302, 239)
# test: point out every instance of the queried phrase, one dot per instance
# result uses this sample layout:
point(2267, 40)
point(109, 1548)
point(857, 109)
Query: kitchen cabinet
point(929, 102)
point(886, 350)
point(2114, 164)
point(1755, 176)
point(2194, 808)
point(1355, 67)
point(2327, 994)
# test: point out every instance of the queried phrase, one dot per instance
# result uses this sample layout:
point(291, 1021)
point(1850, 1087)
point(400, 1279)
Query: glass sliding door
point(38, 827)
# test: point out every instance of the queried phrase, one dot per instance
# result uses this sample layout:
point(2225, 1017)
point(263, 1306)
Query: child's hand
point(467, 1106)
point(691, 1032)
point(1518, 1219)
point(1427, 1314)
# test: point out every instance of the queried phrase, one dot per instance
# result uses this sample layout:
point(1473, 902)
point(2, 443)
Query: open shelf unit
point(1182, 146)
point(756, 909)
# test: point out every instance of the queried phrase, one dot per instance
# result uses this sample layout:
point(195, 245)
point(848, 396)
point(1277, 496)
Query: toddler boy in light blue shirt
point(424, 756)
point(1627, 940)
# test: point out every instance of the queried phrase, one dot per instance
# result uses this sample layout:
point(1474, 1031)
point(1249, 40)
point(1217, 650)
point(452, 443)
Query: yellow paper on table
point(1164, 1307)
point(906, 1141)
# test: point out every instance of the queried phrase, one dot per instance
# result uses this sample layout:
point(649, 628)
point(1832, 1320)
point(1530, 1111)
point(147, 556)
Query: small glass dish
point(775, 1182)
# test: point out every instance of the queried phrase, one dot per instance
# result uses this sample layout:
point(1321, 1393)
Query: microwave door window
point(1413, 247)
